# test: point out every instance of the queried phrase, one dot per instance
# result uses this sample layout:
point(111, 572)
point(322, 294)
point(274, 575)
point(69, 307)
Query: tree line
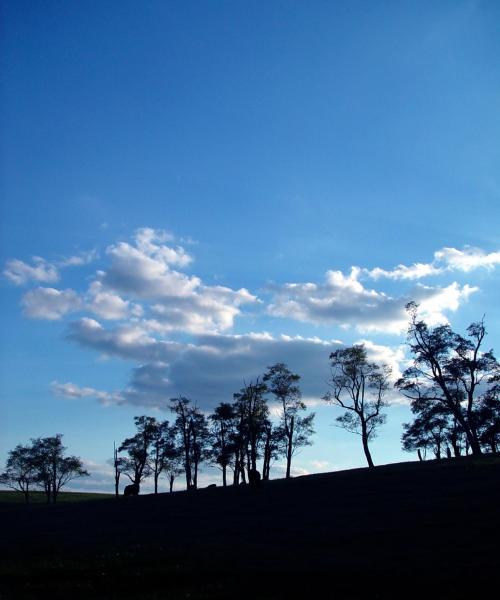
point(238, 437)
point(452, 383)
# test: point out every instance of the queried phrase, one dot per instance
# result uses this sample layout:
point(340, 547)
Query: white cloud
point(19, 272)
point(73, 391)
point(415, 271)
point(433, 301)
point(128, 341)
point(110, 306)
point(143, 271)
point(84, 258)
point(445, 260)
point(343, 300)
point(209, 309)
point(49, 303)
point(467, 259)
point(391, 356)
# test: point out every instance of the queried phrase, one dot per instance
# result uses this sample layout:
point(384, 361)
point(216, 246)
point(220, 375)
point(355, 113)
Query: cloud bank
point(145, 306)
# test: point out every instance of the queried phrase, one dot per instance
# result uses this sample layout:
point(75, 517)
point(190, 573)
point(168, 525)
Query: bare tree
point(359, 387)
point(118, 464)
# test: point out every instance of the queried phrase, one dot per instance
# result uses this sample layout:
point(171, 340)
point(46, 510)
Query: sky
point(192, 191)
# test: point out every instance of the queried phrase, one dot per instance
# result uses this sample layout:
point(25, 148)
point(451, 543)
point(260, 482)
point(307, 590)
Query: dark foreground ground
point(427, 530)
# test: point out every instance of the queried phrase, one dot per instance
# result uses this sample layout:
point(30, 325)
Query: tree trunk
point(471, 436)
point(419, 454)
point(171, 483)
point(195, 476)
point(364, 437)
point(289, 449)
point(236, 473)
point(156, 475)
point(224, 482)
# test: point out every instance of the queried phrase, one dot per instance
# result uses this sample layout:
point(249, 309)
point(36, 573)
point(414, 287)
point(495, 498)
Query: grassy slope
point(399, 530)
point(9, 497)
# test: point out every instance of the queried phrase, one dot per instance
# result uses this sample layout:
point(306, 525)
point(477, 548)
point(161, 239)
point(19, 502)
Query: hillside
point(399, 530)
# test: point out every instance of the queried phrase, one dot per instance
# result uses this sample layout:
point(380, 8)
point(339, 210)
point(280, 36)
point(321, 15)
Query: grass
point(13, 497)
point(428, 529)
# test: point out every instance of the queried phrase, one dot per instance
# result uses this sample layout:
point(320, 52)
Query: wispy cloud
point(40, 270)
point(73, 391)
point(19, 272)
point(445, 260)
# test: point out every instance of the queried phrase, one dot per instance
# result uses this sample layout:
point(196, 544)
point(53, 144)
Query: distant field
point(8, 497)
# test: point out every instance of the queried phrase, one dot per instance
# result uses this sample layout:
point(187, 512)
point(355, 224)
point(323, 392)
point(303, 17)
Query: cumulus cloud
point(49, 303)
point(343, 300)
point(143, 271)
point(214, 366)
point(209, 370)
point(445, 260)
point(209, 309)
point(128, 341)
point(110, 306)
point(19, 272)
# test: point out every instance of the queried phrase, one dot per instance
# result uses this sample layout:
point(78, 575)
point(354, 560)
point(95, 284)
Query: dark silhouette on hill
point(359, 387)
point(428, 529)
point(42, 464)
point(132, 490)
point(454, 373)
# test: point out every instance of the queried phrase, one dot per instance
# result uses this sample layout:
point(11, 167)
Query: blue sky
point(176, 166)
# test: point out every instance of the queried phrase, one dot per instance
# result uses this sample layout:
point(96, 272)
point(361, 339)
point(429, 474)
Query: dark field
point(428, 530)
point(8, 497)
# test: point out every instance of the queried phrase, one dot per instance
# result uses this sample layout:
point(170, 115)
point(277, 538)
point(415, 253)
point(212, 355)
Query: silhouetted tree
point(275, 444)
point(487, 420)
point(359, 387)
point(192, 430)
point(252, 412)
point(20, 470)
point(200, 437)
point(297, 430)
point(449, 369)
point(118, 467)
point(136, 465)
point(223, 422)
point(53, 469)
point(174, 466)
point(428, 430)
point(162, 450)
